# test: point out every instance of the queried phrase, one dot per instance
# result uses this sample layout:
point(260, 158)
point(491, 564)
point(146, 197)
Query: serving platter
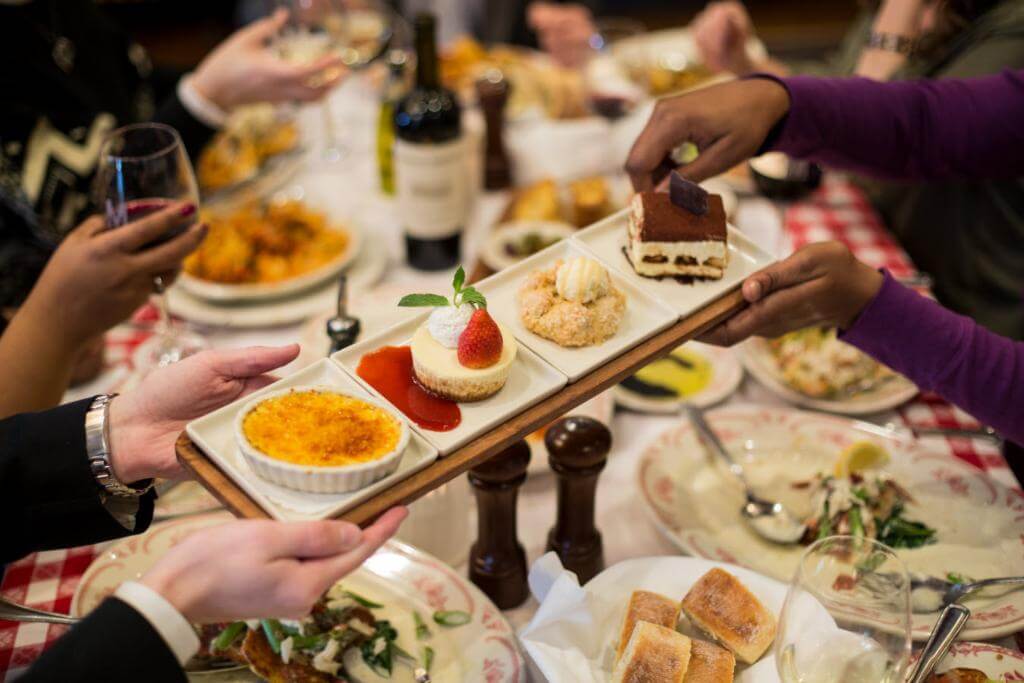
point(397, 575)
point(606, 240)
point(539, 395)
point(215, 435)
point(696, 502)
point(643, 317)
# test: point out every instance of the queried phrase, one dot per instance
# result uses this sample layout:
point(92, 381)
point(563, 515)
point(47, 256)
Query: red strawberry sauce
point(389, 371)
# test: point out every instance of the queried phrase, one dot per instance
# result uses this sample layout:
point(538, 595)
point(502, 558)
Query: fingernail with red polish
point(187, 210)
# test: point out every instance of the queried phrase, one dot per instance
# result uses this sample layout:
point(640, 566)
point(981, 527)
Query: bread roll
point(649, 607)
point(722, 607)
point(709, 664)
point(653, 654)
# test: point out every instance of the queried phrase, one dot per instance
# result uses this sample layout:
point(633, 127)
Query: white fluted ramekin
point(330, 479)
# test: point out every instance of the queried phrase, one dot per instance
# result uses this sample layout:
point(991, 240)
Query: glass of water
point(846, 618)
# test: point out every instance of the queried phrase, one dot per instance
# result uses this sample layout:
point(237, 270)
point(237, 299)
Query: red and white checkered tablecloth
point(838, 210)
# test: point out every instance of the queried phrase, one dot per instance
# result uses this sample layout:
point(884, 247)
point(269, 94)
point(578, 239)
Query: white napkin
point(572, 635)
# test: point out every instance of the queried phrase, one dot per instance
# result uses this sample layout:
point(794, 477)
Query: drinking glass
point(846, 618)
point(610, 93)
point(142, 169)
point(357, 31)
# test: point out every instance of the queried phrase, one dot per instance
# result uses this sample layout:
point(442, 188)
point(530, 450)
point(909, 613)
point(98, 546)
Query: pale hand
point(245, 69)
point(822, 284)
point(145, 423)
point(563, 31)
point(721, 32)
point(253, 569)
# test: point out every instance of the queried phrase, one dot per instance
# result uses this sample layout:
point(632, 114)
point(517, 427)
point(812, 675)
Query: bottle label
point(432, 184)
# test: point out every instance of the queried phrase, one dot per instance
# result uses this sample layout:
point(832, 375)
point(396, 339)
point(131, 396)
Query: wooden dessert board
point(491, 443)
point(719, 300)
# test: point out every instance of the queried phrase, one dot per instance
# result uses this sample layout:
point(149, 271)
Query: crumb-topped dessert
point(460, 352)
point(681, 233)
point(321, 428)
point(572, 303)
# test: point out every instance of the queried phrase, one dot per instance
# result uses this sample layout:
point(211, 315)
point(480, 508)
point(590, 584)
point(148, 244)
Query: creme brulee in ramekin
point(319, 439)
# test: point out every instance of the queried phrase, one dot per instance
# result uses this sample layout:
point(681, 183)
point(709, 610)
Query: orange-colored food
point(265, 243)
point(321, 428)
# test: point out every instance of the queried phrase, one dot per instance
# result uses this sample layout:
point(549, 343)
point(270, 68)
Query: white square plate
point(644, 316)
point(530, 380)
point(608, 237)
point(214, 434)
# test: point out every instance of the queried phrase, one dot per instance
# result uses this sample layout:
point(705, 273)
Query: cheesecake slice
point(667, 240)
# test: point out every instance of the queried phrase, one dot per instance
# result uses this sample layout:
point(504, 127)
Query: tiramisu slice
point(668, 240)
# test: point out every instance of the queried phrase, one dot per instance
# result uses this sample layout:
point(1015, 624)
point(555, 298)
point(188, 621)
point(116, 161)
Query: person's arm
point(247, 569)
point(47, 492)
point(910, 129)
point(950, 354)
point(896, 20)
point(824, 285)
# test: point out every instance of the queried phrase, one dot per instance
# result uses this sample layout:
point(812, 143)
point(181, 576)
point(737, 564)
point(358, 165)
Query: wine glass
point(142, 169)
point(846, 618)
point(358, 31)
point(610, 92)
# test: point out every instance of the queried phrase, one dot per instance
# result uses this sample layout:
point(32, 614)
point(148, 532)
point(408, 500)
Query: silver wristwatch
point(97, 448)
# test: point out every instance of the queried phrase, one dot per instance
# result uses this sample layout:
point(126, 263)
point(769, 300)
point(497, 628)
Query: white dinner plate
point(726, 377)
point(214, 434)
point(644, 316)
point(573, 634)
point(695, 501)
point(607, 238)
point(760, 363)
point(398, 576)
point(497, 258)
point(670, 47)
point(997, 663)
point(531, 380)
point(362, 274)
point(223, 292)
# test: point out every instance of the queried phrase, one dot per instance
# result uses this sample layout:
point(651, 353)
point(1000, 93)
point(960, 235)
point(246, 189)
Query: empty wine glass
point(357, 31)
point(142, 169)
point(846, 618)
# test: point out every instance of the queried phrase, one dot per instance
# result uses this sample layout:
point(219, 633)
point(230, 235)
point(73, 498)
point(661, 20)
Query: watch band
point(97, 448)
point(891, 42)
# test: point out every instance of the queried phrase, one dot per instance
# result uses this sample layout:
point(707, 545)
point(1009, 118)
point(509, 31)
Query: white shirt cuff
point(199, 106)
point(179, 635)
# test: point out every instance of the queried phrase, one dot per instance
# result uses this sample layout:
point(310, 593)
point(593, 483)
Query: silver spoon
point(343, 329)
point(943, 635)
point(930, 594)
point(12, 611)
point(771, 520)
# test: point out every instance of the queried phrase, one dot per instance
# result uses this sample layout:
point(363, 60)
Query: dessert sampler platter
point(479, 367)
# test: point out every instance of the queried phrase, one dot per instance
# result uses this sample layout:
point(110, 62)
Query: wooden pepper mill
point(497, 561)
point(578, 449)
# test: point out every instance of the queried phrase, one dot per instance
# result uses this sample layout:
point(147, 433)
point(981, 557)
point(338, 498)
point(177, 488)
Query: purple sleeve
point(909, 129)
point(950, 354)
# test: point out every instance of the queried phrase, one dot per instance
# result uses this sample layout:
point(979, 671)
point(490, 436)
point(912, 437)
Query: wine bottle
point(431, 172)
point(394, 89)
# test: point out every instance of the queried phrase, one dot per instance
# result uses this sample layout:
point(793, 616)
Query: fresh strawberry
point(480, 342)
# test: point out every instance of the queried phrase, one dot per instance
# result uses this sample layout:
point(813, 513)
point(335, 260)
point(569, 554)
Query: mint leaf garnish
point(471, 296)
point(423, 300)
point(459, 280)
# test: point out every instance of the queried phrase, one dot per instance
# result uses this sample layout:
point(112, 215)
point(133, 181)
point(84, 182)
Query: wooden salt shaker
point(497, 561)
point(578, 449)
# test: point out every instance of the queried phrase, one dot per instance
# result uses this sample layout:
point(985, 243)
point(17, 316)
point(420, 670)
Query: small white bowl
point(333, 479)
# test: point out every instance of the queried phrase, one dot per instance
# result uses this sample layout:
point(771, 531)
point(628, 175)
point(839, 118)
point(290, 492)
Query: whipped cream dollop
point(581, 279)
point(447, 323)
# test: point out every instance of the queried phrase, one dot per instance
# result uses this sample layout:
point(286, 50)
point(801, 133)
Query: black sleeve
point(194, 133)
point(47, 491)
point(113, 643)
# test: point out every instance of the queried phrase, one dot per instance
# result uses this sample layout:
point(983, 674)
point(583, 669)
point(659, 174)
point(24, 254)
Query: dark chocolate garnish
point(687, 195)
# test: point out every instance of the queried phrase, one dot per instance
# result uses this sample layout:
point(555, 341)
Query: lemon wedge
point(860, 456)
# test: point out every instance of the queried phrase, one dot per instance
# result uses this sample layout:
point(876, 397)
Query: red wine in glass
point(137, 209)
